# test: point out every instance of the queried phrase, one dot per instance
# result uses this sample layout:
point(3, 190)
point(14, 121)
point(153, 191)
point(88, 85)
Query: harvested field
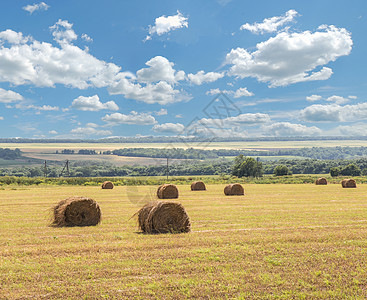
point(280, 241)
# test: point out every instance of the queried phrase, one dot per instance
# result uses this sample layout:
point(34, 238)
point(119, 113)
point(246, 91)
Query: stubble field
point(277, 241)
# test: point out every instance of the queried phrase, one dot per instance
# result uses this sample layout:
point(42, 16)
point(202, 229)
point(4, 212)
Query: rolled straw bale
point(107, 185)
point(163, 217)
point(321, 181)
point(234, 189)
point(198, 186)
point(167, 191)
point(349, 183)
point(76, 211)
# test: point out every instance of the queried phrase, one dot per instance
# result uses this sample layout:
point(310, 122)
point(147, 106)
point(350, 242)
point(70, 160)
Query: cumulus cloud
point(63, 32)
point(26, 61)
point(36, 6)
point(165, 24)
point(53, 132)
point(359, 129)
point(321, 113)
point(169, 128)
point(160, 69)
point(161, 112)
point(289, 58)
point(13, 37)
point(1, 118)
point(242, 92)
point(313, 98)
point(270, 24)
point(44, 107)
point(133, 118)
point(86, 37)
point(92, 104)
point(217, 91)
point(242, 119)
point(8, 96)
point(289, 129)
point(201, 77)
point(335, 113)
point(90, 130)
point(337, 99)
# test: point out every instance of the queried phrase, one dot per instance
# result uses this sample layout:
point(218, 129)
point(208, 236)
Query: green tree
point(334, 172)
point(351, 170)
point(251, 168)
point(237, 165)
point(281, 170)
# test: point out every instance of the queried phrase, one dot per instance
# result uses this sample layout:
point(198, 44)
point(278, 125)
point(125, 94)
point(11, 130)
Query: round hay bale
point(349, 183)
point(76, 211)
point(234, 189)
point(167, 191)
point(107, 185)
point(163, 217)
point(321, 181)
point(198, 186)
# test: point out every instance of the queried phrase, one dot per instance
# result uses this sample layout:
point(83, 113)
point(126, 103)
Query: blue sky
point(94, 69)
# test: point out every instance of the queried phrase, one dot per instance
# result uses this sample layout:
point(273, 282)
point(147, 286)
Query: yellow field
point(277, 241)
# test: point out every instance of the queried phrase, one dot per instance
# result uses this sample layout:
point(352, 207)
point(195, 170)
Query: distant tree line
point(190, 153)
point(241, 166)
point(10, 154)
point(81, 151)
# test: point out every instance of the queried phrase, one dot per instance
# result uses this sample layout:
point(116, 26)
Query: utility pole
point(45, 170)
point(66, 167)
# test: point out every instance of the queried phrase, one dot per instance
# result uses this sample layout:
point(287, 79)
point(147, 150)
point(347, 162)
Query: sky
point(221, 68)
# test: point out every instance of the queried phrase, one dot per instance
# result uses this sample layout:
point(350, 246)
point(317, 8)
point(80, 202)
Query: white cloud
point(86, 37)
point(335, 113)
point(337, 99)
point(270, 24)
point(359, 129)
point(8, 96)
point(89, 130)
point(289, 129)
point(92, 104)
point(289, 58)
point(1, 118)
point(160, 69)
point(161, 92)
point(352, 97)
point(242, 119)
point(133, 118)
point(44, 65)
point(217, 91)
point(63, 32)
point(313, 98)
point(179, 116)
point(53, 132)
point(165, 24)
point(169, 127)
point(32, 8)
point(202, 77)
point(321, 113)
point(13, 37)
point(161, 112)
point(242, 92)
point(44, 107)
